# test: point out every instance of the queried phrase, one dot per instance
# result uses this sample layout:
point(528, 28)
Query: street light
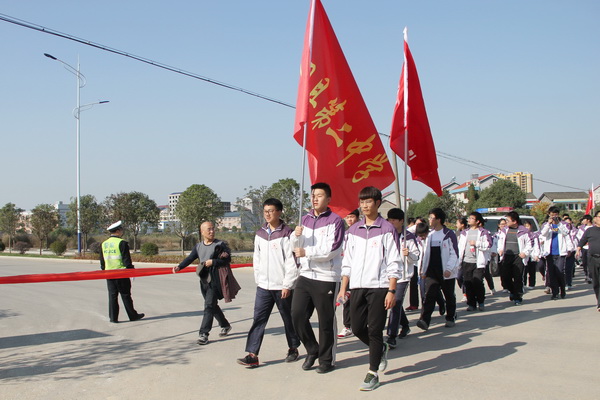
point(76, 113)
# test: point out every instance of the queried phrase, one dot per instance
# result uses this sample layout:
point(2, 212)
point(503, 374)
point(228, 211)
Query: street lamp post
point(76, 113)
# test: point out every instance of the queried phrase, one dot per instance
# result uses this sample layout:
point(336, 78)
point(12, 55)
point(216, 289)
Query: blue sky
point(512, 84)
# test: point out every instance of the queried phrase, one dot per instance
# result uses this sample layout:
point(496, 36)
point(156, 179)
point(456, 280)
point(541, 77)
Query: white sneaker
point(492, 292)
point(371, 382)
point(346, 332)
point(464, 299)
point(384, 362)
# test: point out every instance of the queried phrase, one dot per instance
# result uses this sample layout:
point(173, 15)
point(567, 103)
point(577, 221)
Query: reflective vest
point(113, 259)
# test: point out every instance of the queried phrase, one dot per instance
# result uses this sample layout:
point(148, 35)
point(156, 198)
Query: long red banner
point(99, 274)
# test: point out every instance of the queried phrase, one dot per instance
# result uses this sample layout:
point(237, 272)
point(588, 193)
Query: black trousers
point(212, 310)
point(432, 292)
point(585, 262)
point(594, 270)
point(263, 305)
point(397, 315)
point(473, 282)
point(311, 295)
point(346, 313)
point(488, 276)
point(529, 273)
point(414, 289)
point(512, 275)
point(123, 287)
point(368, 315)
point(556, 273)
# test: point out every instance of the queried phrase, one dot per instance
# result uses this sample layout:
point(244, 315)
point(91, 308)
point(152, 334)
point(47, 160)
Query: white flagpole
point(307, 70)
point(405, 94)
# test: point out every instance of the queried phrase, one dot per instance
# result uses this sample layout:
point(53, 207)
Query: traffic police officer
point(115, 255)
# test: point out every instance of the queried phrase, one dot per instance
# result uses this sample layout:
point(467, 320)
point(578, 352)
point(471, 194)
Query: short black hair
point(273, 202)
point(355, 213)
point(438, 213)
point(370, 192)
point(478, 217)
point(323, 186)
point(463, 221)
point(515, 216)
point(396, 213)
point(553, 209)
point(421, 228)
point(587, 216)
point(411, 220)
point(500, 220)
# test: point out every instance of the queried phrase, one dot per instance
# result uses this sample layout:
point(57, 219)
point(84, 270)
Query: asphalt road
point(56, 343)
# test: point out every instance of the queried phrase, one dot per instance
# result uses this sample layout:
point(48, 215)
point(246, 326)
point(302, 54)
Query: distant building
point(168, 218)
point(389, 201)
point(524, 180)
point(62, 210)
point(530, 200)
point(459, 192)
point(240, 220)
point(572, 201)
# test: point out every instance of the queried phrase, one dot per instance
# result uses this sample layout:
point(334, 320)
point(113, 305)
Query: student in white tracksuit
point(474, 246)
point(438, 268)
point(514, 248)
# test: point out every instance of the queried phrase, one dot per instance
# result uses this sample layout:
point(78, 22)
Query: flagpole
point(304, 134)
point(405, 94)
point(302, 179)
point(397, 182)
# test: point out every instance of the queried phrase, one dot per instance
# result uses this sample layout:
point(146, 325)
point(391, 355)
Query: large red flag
point(343, 146)
point(410, 117)
point(590, 202)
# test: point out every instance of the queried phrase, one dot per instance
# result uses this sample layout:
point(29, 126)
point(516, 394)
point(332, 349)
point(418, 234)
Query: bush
point(96, 247)
point(59, 247)
point(22, 247)
point(2, 246)
point(149, 249)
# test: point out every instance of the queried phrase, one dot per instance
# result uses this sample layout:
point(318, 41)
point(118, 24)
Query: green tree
point(446, 202)
point(502, 193)
point(198, 203)
point(288, 192)
point(44, 218)
point(92, 217)
point(472, 197)
point(9, 222)
point(540, 211)
point(134, 209)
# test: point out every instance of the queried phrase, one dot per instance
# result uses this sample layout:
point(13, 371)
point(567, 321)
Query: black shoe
point(225, 331)
point(554, 297)
point(292, 355)
point(248, 361)
point(325, 368)
point(442, 308)
point(138, 317)
point(391, 341)
point(309, 362)
point(404, 332)
point(203, 339)
point(423, 325)
point(114, 322)
point(563, 295)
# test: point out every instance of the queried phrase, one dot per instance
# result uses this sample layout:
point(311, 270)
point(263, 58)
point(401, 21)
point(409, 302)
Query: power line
point(39, 28)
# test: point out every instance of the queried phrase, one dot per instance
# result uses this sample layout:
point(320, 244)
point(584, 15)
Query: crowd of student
point(371, 266)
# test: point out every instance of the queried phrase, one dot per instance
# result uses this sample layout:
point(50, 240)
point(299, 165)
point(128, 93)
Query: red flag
point(343, 146)
point(410, 116)
point(590, 202)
